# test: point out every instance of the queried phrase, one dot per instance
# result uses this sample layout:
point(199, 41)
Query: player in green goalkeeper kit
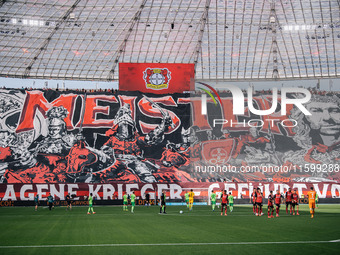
point(231, 202)
point(90, 205)
point(213, 200)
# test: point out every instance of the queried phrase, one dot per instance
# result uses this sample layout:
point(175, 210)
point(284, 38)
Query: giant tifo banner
point(233, 136)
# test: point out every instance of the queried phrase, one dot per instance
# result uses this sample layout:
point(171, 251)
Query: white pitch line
point(160, 244)
point(184, 214)
point(149, 214)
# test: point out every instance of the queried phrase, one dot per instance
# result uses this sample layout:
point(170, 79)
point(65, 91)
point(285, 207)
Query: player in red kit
point(289, 200)
point(271, 205)
point(295, 202)
point(224, 203)
point(252, 200)
point(277, 200)
point(259, 200)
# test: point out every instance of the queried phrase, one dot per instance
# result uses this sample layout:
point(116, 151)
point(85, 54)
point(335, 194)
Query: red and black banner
point(158, 78)
point(174, 191)
point(133, 137)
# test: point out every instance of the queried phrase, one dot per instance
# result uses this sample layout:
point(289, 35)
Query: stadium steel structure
point(226, 39)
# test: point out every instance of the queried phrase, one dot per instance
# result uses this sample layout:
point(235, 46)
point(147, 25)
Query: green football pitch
point(201, 231)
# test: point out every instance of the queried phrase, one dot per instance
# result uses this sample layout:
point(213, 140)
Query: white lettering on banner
point(250, 189)
point(23, 189)
point(177, 194)
point(108, 191)
point(240, 189)
point(40, 188)
point(26, 192)
point(120, 191)
point(334, 190)
point(266, 190)
point(299, 187)
point(143, 191)
point(10, 193)
point(261, 187)
point(95, 191)
point(229, 185)
point(324, 190)
point(129, 188)
point(284, 188)
point(71, 191)
point(54, 192)
point(277, 187)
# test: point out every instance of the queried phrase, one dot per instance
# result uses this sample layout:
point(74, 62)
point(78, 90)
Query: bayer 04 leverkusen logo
point(157, 78)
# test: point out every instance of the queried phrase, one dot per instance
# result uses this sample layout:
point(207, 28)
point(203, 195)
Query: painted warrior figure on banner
point(12, 146)
point(318, 135)
point(181, 153)
point(127, 145)
point(57, 141)
point(254, 149)
point(62, 156)
point(50, 153)
point(48, 158)
point(176, 158)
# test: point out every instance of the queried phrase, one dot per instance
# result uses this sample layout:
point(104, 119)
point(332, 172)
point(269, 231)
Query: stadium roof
point(226, 39)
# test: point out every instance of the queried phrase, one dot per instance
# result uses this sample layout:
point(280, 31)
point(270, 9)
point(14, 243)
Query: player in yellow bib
point(191, 199)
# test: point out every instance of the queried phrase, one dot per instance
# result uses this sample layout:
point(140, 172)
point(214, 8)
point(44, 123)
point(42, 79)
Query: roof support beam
point(122, 46)
point(203, 22)
point(48, 39)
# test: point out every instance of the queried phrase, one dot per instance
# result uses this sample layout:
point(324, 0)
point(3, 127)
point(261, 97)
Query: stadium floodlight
point(299, 27)
point(31, 22)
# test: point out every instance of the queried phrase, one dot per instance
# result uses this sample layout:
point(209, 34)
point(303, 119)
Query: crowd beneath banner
point(313, 91)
